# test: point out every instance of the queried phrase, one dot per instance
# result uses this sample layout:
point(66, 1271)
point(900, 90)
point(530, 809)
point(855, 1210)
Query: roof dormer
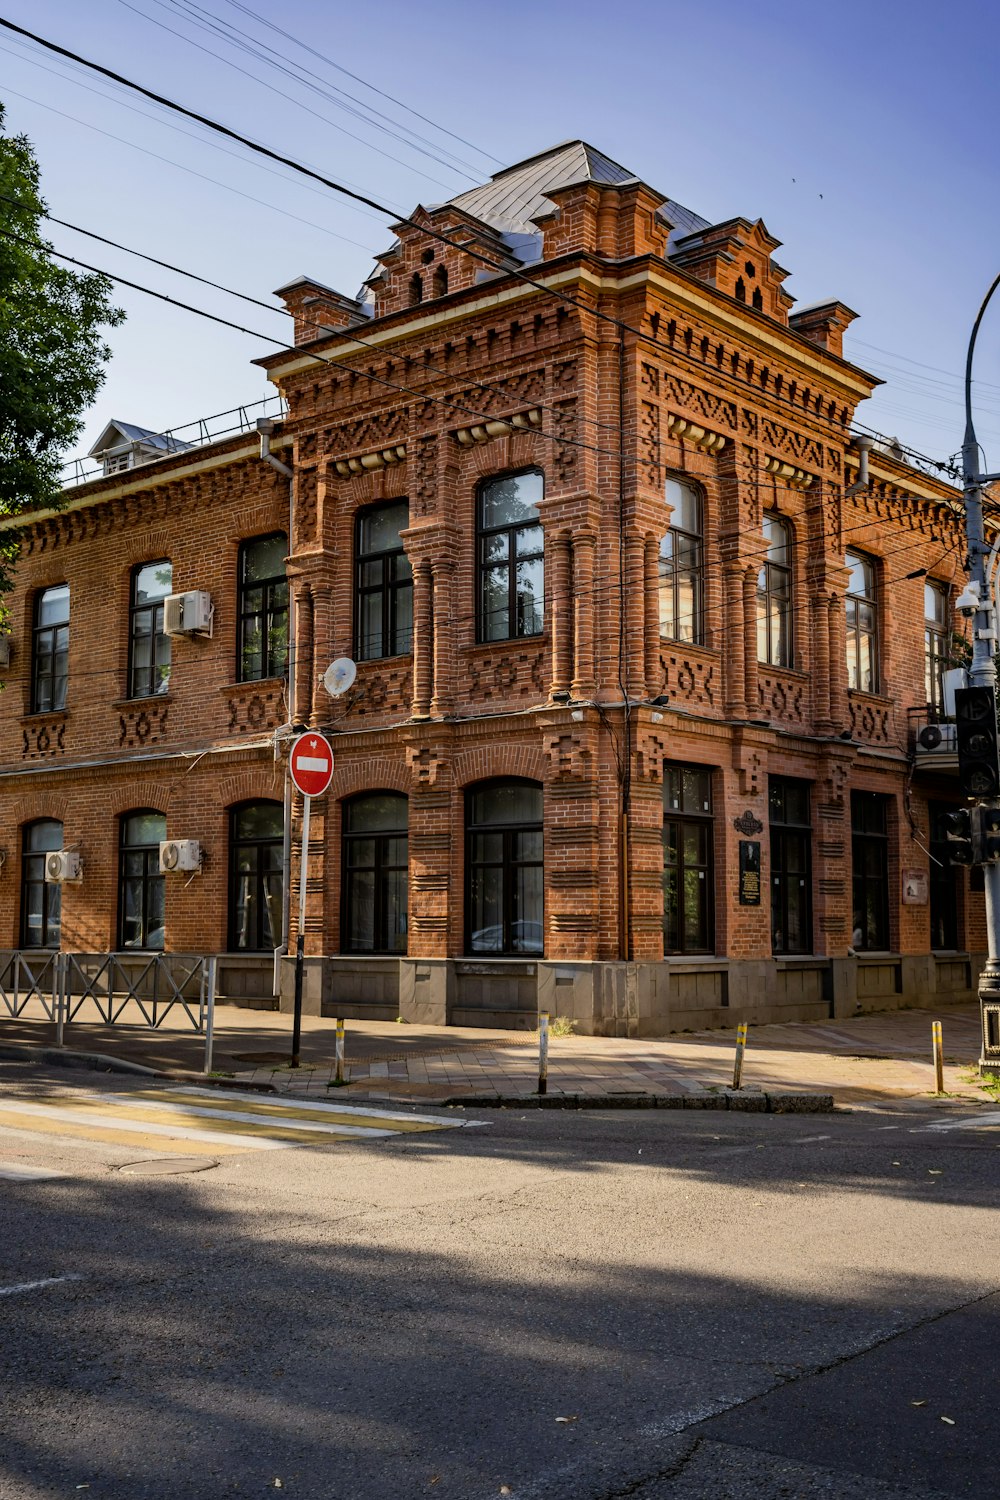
point(123, 446)
point(318, 310)
point(735, 258)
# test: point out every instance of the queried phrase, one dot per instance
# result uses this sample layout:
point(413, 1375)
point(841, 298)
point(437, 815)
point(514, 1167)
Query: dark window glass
point(375, 873)
point(688, 895)
point(504, 869)
point(41, 902)
point(862, 624)
point(681, 565)
point(944, 881)
point(791, 867)
point(50, 650)
point(385, 583)
point(140, 884)
point(870, 872)
point(255, 876)
point(149, 648)
point(936, 652)
point(263, 608)
point(511, 562)
point(774, 596)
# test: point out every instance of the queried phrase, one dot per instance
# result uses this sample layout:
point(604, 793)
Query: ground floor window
point(256, 831)
point(140, 884)
point(504, 872)
point(41, 900)
point(374, 884)
point(870, 872)
point(944, 880)
point(688, 899)
point(791, 868)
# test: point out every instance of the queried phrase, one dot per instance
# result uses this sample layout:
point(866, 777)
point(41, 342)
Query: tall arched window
point(681, 565)
point(504, 870)
point(862, 624)
point(262, 632)
point(374, 885)
point(774, 595)
point(50, 650)
point(41, 901)
point(140, 884)
point(511, 557)
point(256, 832)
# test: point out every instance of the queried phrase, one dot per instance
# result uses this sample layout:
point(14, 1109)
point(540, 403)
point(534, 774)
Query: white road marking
point(978, 1122)
point(12, 1172)
point(176, 1132)
point(803, 1140)
point(34, 1286)
point(244, 1117)
point(319, 1106)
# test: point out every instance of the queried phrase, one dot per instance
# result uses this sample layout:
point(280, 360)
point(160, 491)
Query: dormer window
point(117, 463)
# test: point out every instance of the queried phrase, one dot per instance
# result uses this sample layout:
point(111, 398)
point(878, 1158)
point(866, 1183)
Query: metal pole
point(300, 940)
point(339, 1075)
point(213, 964)
point(543, 1052)
point(938, 1057)
point(60, 968)
point(741, 1046)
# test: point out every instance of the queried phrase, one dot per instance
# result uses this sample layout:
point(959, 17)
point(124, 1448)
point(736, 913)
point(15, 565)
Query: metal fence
point(100, 986)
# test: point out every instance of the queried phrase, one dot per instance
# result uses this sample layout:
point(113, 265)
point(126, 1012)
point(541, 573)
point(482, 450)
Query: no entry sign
point(311, 764)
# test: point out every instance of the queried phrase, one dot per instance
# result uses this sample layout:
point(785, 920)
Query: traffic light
point(989, 819)
point(963, 836)
point(976, 732)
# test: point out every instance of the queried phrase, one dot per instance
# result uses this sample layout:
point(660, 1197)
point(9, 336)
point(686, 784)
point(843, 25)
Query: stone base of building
point(628, 999)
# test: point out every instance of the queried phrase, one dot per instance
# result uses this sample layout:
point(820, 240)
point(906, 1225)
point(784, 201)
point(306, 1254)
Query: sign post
point(310, 765)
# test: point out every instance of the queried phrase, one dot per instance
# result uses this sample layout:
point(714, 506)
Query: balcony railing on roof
point(191, 435)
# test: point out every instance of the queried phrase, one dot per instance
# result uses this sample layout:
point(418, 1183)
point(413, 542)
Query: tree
point(52, 353)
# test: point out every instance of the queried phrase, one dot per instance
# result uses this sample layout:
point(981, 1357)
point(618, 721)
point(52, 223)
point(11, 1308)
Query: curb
point(750, 1103)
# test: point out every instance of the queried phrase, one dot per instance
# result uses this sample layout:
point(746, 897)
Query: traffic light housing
point(989, 818)
point(963, 836)
point(977, 737)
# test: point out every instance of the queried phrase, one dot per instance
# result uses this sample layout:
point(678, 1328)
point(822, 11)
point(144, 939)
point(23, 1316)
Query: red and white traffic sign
point(311, 764)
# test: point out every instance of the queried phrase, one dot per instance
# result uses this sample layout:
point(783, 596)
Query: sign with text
point(916, 888)
point(749, 872)
point(310, 764)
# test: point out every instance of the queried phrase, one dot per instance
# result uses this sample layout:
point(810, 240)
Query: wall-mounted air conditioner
point(188, 614)
point(180, 855)
point(62, 865)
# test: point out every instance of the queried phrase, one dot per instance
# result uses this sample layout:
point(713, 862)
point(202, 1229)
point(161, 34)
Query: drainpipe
point(265, 427)
point(862, 444)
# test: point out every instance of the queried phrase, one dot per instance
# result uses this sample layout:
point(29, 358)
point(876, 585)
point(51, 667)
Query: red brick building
point(644, 644)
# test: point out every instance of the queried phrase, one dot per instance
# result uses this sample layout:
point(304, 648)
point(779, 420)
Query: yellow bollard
point(741, 1043)
point(339, 1075)
point(938, 1057)
point(543, 1052)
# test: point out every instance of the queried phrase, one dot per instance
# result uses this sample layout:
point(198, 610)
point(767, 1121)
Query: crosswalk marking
point(968, 1122)
point(202, 1122)
point(13, 1172)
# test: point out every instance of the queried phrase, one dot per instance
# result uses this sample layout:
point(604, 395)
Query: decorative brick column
point(651, 602)
point(560, 606)
point(750, 642)
point(837, 634)
point(423, 638)
point(443, 632)
point(304, 651)
point(822, 715)
point(732, 634)
point(584, 547)
point(322, 612)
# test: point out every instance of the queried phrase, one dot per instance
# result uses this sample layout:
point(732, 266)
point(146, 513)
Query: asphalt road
point(715, 1305)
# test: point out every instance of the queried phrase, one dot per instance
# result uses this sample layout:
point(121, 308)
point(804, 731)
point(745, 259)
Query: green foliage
point(52, 354)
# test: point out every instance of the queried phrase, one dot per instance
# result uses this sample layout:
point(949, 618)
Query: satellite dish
point(339, 676)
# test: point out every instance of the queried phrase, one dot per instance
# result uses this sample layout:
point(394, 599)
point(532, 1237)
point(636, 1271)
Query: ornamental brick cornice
point(690, 432)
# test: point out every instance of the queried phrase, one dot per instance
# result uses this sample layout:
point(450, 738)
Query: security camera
point(968, 601)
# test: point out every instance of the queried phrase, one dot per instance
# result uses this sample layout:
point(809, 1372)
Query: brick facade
point(712, 382)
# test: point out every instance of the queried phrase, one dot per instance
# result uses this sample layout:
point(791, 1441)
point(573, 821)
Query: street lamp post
point(983, 673)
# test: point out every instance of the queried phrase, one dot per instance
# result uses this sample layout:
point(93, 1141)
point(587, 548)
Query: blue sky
point(865, 136)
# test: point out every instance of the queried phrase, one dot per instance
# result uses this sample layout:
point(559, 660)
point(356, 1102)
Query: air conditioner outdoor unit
point(180, 855)
point(62, 865)
point(188, 614)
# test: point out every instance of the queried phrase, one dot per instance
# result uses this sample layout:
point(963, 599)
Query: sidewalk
point(885, 1056)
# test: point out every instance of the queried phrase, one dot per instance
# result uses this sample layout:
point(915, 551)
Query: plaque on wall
point(749, 872)
point(915, 887)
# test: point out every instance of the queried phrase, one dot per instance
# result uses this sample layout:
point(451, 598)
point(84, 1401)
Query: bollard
point(339, 1075)
point(938, 1057)
point(741, 1042)
point(543, 1052)
point(213, 969)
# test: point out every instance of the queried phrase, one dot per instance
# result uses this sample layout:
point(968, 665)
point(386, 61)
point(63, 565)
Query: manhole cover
point(161, 1166)
point(261, 1057)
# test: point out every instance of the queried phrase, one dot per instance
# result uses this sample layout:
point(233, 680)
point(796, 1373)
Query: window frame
point(381, 870)
point(671, 577)
point(267, 614)
point(864, 840)
point(259, 909)
point(508, 865)
point(856, 633)
point(53, 653)
point(936, 645)
point(770, 598)
point(149, 878)
point(944, 881)
point(683, 818)
point(51, 891)
point(153, 609)
point(783, 834)
point(398, 639)
point(484, 566)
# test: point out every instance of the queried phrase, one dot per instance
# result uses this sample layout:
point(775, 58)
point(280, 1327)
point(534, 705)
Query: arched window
point(140, 884)
point(263, 608)
point(374, 885)
point(149, 645)
point(416, 289)
point(774, 595)
point(441, 281)
point(504, 871)
point(384, 608)
point(862, 624)
point(681, 565)
point(256, 831)
point(50, 650)
point(511, 557)
point(41, 901)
